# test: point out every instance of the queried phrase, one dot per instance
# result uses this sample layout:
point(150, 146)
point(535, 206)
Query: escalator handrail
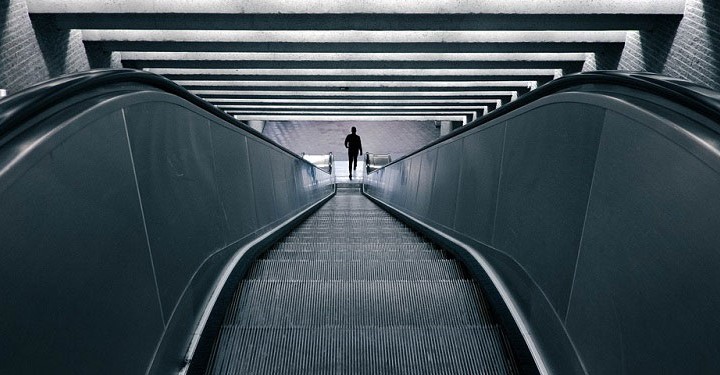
point(18, 108)
point(703, 100)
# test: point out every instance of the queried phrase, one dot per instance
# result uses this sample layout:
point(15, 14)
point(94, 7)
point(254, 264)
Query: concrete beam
point(360, 15)
point(352, 36)
point(356, 41)
point(343, 78)
point(339, 93)
point(378, 113)
point(402, 99)
point(377, 89)
point(567, 66)
point(261, 60)
point(366, 109)
point(343, 101)
point(345, 74)
point(325, 107)
point(357, 85)
point(397, 7)
point(348, 118)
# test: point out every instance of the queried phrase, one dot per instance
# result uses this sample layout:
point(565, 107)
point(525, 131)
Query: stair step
point(352, 303)
point(358, 246)
point(366, 350)
point(355, 255)
point(355, 270)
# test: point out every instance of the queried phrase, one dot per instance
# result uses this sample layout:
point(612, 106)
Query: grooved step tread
point(354, 291)
point(311, 246)
point(355, 270)
point(368, 350)
point(342, 255)
point(344, 303)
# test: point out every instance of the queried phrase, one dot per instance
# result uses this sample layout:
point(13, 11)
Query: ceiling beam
point(353, 41)
point(250, 117)
point(359, 15)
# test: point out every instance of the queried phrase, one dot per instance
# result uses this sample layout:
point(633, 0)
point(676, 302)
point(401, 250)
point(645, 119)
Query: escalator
point(572, 231)
point(354, 291)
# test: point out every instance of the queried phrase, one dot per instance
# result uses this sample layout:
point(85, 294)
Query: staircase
point(354, 291)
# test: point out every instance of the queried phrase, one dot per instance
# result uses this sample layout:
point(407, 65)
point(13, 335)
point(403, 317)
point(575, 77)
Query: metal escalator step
point(354, 291)
point(355, 255)
point(355, 240)
point(362, 350)
point(355, 270)
point(354, 237)
point(349, 303)
point(359, 246)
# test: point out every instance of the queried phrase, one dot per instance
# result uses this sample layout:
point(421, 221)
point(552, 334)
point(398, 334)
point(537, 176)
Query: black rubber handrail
point(701, 99)
point(17, 109)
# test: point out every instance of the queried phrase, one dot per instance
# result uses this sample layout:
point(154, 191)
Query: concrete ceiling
point(348, 59)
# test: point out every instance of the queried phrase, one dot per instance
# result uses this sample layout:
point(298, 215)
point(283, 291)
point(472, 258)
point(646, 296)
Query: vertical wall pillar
point(258, 125)
point(445, 127)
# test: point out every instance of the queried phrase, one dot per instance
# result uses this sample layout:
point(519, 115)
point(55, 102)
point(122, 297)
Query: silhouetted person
point(353, 144)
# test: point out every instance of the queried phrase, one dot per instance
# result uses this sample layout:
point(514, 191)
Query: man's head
point(353, 130)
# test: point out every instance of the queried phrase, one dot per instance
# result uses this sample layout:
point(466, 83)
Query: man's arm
point(347, 139)
point(360, 144)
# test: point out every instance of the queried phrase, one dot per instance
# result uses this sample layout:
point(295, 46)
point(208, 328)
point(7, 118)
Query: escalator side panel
point(115, 230)
point(474, 212)
point(546, 173)
point(74, 258)
point(647, 285)
point(173, 154)
point(232, 168)
point(605, 240)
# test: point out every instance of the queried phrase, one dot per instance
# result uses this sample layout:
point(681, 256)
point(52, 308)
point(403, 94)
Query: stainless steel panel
point(232, 171)
point(446, 183)
point(78, 293)
point(263, 184)
point(647, 277)
point(477, 188)
point(173, 156)
point(425, 182)
point(546, 176)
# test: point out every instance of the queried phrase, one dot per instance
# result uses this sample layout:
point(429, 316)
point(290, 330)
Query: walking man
point(353, 144)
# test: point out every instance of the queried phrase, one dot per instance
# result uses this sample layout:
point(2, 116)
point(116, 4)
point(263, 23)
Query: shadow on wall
point(608, 58)
point(53, 44)
point(711, 8)
point(656, 45)
point(4, 10)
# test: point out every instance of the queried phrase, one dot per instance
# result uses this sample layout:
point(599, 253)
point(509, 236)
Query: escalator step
point(352, 290)
point(370, 350)
point(348, 303)
point(343, 255)
point(355, 270)
point(360, 246)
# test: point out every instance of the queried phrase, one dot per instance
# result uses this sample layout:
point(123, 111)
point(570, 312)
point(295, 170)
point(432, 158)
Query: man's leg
point(350, 158)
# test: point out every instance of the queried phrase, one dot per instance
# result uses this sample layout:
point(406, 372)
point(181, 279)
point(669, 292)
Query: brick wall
point(394, 137)
point(34, 52)
point(688, 50)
